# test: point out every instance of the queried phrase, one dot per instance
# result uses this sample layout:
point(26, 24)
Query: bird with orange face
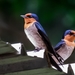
point(38, 37)
point(66, 46)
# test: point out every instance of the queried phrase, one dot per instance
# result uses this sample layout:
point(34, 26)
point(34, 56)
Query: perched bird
point(38, 37)
point(66, 46)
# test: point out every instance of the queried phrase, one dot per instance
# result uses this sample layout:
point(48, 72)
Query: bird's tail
point(50, 61)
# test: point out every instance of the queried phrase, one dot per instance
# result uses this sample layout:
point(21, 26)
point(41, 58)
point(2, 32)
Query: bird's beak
point(23, 16)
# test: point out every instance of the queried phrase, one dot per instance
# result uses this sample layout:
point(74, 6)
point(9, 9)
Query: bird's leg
point(37, 49)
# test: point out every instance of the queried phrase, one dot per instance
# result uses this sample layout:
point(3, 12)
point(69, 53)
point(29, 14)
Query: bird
point(66, 46)
point(39, 38)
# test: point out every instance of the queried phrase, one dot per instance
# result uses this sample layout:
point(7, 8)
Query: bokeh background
point(55, 16)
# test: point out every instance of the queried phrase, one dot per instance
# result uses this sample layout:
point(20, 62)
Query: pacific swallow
point(66, 46)
point(38, 37)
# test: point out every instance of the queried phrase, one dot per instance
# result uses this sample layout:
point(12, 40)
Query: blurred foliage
point(55, 16)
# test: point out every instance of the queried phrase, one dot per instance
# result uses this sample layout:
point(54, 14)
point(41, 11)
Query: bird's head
point(69, 35)
point(30, 17)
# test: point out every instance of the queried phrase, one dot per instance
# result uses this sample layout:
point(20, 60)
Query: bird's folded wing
point(48, 44)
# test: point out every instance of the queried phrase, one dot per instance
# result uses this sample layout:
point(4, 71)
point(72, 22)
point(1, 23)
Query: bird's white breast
point(34, 37)
point(65, 51)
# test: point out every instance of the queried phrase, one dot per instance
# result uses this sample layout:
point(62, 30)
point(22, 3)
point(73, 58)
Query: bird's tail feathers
point(50, 61)
point(58, 57)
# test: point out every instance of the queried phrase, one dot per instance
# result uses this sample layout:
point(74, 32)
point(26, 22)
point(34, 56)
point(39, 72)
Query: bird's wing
point(59, 45)
point(44, 37)
point(48, 45)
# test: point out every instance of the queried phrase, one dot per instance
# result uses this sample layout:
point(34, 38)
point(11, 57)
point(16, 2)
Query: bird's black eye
point(28, 16)
point(71, 33)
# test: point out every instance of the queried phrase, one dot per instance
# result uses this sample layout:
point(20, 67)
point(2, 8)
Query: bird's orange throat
point(26, 25)
point(69, 38)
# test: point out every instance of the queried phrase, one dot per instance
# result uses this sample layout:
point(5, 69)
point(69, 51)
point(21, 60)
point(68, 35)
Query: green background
point(55, 16)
